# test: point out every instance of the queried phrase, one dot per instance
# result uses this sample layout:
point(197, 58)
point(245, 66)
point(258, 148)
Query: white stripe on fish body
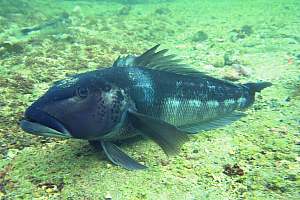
point(229, 105)
point(229, 102)
point(213, 104)
point(178, 112)
point(242, 102)
point(143, 83)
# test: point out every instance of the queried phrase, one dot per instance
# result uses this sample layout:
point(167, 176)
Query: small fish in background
point(152, 95)
point(62, 19)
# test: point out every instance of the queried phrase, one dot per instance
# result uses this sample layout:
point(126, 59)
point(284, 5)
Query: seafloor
point(254, 158)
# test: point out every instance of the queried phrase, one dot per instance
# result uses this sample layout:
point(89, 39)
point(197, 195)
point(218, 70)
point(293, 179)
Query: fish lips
point(38, 122)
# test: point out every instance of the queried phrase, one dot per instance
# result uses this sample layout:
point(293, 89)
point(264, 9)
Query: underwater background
point(256, 157)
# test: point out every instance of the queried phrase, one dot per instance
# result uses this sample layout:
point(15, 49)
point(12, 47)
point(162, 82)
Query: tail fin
point(257, 87)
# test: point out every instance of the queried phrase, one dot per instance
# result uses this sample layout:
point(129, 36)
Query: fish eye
point(82, 92)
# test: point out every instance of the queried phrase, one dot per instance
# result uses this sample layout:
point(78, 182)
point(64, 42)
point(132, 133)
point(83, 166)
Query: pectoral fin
point(118, 157)
point(167, 136)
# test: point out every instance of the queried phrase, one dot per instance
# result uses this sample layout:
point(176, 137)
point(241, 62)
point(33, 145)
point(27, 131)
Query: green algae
point(263, 144)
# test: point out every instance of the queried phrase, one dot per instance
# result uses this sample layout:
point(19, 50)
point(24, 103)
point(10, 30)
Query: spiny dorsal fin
point(157, 60)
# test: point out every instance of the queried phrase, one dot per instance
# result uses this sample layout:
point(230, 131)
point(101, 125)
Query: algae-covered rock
point(247, 30)
point(230, 58)
point(125, 10)
point(163, 11)
point(11, 47)
point(231, 75)
point(242, 33)
point(200, 36)
point(218, 61)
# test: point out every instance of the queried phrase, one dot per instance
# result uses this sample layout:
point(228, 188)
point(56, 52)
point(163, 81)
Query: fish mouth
point(38, 122)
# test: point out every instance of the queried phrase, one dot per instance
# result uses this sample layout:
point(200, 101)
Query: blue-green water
point(254, 158)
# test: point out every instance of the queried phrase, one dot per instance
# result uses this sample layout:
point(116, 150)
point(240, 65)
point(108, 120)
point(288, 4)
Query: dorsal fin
point(157, 60)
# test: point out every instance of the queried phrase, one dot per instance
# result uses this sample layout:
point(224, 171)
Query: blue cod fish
point(152, 95)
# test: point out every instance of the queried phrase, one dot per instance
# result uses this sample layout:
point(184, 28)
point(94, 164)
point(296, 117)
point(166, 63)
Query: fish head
point(82, 106)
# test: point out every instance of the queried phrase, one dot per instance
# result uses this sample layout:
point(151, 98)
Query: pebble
point(231, 152)
point(230, 58)
point(108, 196)
point(49, 190)
point(218, 62)
point(12, 153)
point(162, 11)
point(77, 9)
point(125, 10)
point(164, 162)
point(108, 165)
point(242, 70)
point(188, 166)
point(231, 75)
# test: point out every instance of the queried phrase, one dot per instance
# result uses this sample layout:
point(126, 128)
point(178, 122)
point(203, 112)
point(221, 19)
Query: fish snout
point(38, 122)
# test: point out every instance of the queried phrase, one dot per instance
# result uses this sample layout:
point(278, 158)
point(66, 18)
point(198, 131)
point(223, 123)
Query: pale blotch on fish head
point(68, 82)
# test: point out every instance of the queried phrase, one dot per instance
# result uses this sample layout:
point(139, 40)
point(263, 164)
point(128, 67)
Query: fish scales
point(179, 99)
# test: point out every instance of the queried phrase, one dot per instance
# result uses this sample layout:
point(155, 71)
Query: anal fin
point(118, 157)
point(212, 124)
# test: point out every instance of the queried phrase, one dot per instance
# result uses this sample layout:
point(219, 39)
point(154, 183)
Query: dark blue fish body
point(151, 95)
point(181, 99)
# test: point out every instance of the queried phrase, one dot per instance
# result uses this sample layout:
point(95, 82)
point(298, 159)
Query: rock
point(108, 196)
point(200, 36)
point(77, 9)
point(12, 153)
point(10, 47)
point(230, 58)
point(231, 152)
point(162, 11)
point(233, 170)
point(218, 62)
point(1, 194)
point(164, 162)
point(108, 165)
point(231, 75)
point(125, 10)
point(235, 72)
point(242, 33)
point(242, 70)
point(247, 30)
point(50, 190)
point(195, 151)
